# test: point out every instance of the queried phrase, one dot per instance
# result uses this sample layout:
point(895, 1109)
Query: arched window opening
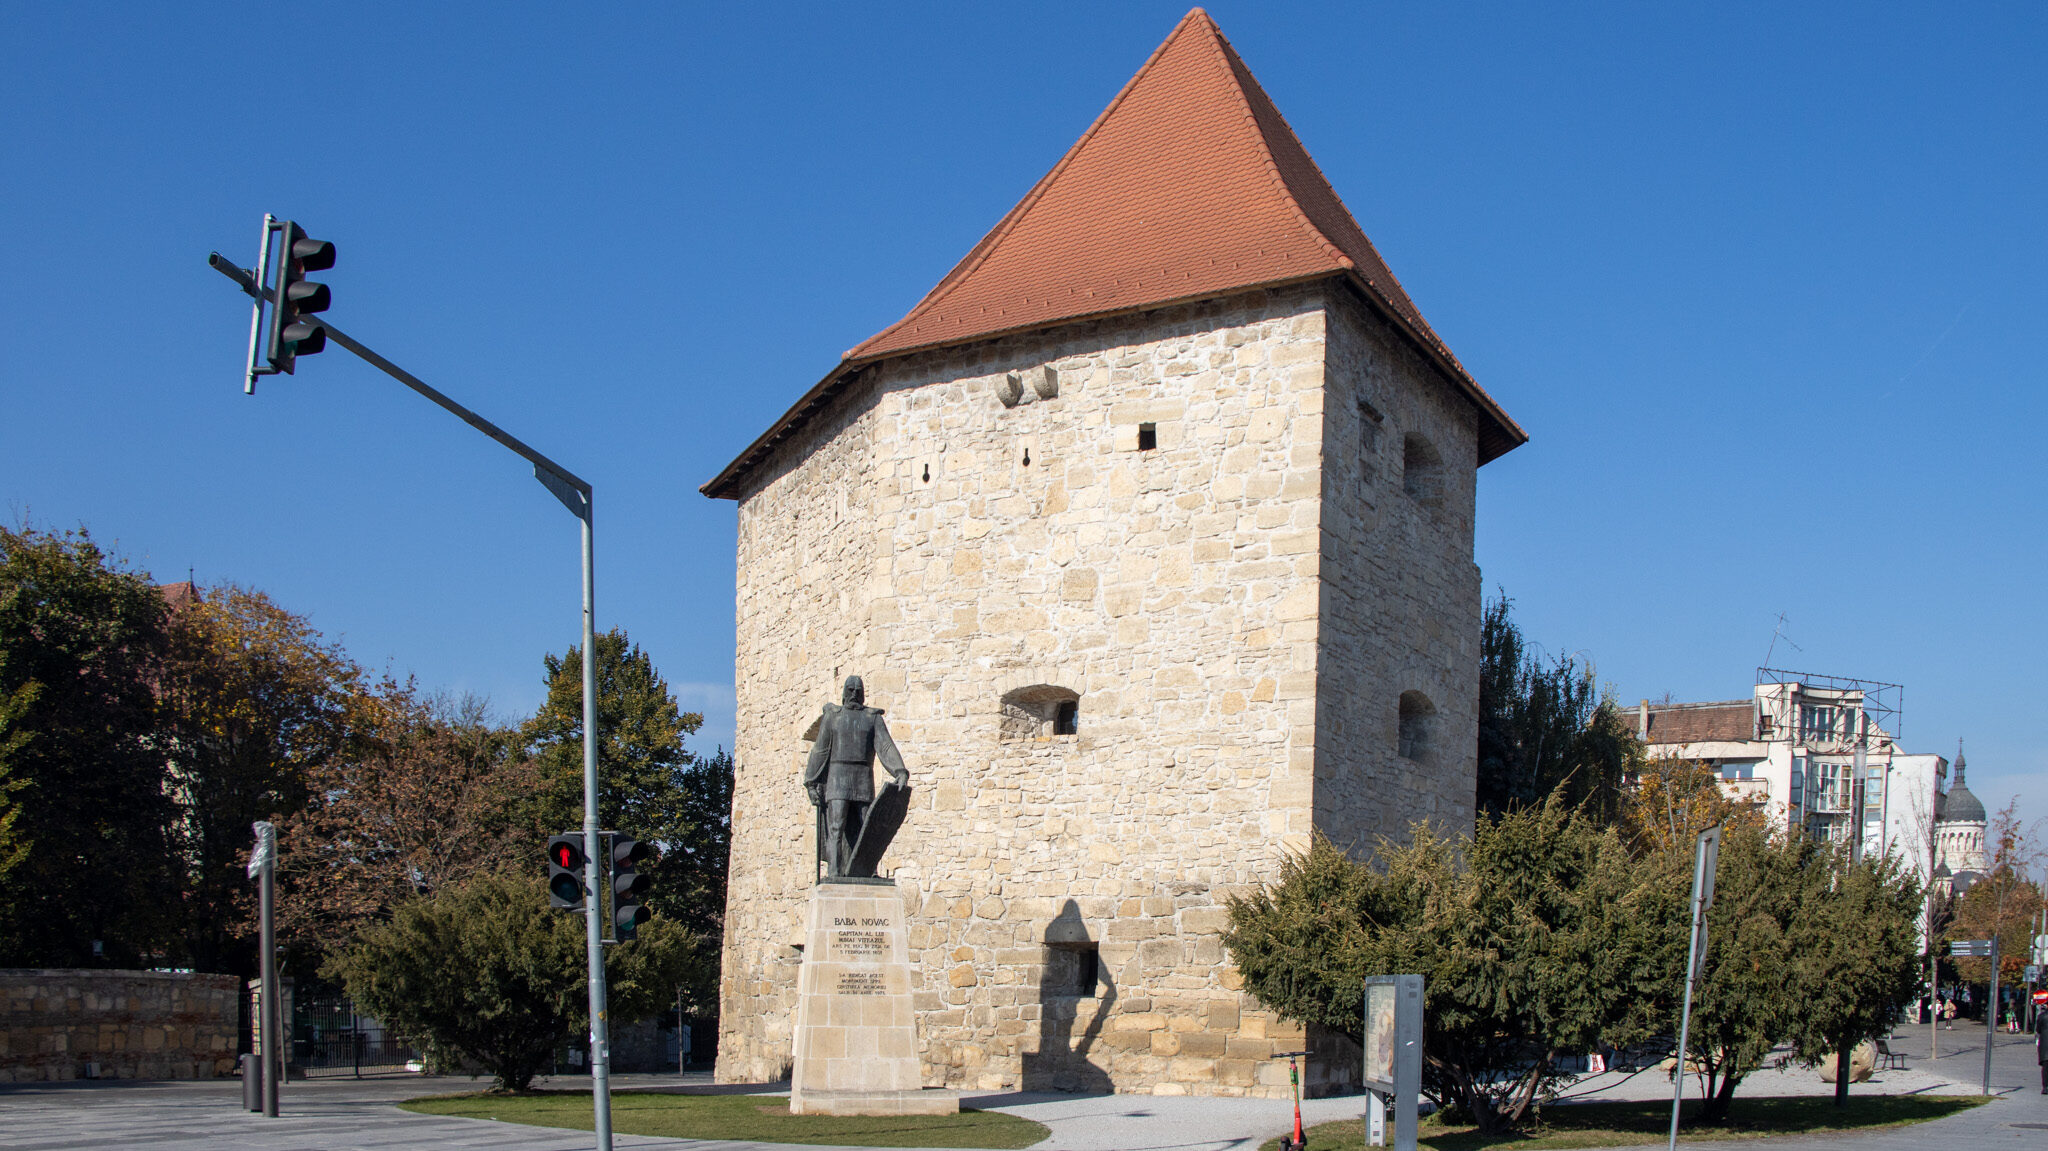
point(1418, 718)
point(1422, 472)
point(1039, 712)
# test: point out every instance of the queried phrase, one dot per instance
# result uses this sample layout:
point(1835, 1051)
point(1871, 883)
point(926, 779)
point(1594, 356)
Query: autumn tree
point(255, 701)
point(1674, 799)
point(2005, 900)
point(430, 794)
point(483, 971)
point(83, 814)
point(1545, 728)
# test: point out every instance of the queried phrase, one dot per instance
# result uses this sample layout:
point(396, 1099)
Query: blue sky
point(1764, 282)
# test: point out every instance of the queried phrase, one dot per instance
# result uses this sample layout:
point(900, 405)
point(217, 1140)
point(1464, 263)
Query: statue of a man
point(840, 774)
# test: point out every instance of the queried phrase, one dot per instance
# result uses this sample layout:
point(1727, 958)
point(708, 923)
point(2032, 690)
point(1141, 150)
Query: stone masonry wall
point(1401, 595)
point(134, 1024)
point(980, 534)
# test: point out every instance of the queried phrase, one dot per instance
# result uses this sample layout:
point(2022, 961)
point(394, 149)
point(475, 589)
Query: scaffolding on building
point(1883, 704)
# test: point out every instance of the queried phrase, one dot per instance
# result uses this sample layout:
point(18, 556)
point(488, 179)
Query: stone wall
point(1127, 513)
point(133, 1024)
point(1401, 595)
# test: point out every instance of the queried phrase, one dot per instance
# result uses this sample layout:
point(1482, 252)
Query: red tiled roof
point(1702, 722)
point(1190, 185)
point(178, 595)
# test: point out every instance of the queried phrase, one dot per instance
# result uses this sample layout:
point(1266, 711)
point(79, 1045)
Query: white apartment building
point(1818, 753)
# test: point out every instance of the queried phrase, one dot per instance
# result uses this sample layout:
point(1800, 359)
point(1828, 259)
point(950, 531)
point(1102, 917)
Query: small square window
point(1148, 437)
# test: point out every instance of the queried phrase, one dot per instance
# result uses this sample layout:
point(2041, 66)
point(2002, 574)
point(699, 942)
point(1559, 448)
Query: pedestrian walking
point(1948, 1015)
point(2041, 1046)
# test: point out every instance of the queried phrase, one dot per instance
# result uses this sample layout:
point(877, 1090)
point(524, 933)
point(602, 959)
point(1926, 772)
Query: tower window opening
point(1422, 471)
point(1148, 437)
point(1418, 716)
point(1040, 712)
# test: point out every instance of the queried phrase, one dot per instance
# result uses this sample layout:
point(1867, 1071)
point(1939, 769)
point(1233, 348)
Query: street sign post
point(1706, 861)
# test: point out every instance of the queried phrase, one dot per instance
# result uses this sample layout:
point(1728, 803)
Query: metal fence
point(330, 1038)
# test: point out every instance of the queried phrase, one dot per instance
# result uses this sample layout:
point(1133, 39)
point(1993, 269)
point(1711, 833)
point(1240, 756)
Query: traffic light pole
point(593, 939)
point(575, 494)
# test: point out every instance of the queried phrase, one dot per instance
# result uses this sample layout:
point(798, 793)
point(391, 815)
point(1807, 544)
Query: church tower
point(1150, 526)
point(1959, 828)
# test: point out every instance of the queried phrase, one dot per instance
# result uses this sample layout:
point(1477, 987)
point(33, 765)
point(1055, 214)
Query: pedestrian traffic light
point(292, 332)
point(565, 872)
point(629, 886)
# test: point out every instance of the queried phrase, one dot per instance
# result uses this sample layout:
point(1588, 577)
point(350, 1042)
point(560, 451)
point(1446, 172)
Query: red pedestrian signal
point(565, 872)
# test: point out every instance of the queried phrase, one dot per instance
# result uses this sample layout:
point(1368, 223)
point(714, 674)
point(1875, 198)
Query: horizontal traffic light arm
point(573, 491)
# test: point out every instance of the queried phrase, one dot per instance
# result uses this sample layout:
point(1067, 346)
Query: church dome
point(1960, 806)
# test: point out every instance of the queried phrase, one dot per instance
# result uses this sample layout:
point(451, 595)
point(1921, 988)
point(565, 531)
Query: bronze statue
point(853, 827)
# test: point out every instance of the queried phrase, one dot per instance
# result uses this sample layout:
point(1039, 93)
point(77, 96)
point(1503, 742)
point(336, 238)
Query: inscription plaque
point(856, 1027)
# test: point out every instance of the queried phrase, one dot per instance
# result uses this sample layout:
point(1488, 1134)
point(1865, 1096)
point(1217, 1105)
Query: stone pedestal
point(856, 1032)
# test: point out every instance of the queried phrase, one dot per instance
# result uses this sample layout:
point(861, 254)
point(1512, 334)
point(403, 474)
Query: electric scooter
point(1297, 1141)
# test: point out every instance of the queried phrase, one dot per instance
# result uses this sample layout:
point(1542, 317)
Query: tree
point(431, 794)
point(2005, 900)
point(1855, 955)
point(1745, 1003)
point(484, 972)
point(652, 787)
point(255, 701)
point(1537, 938)
point(1545, 729)
point(83, 813)
point(1672, 801)
point(1803, 943)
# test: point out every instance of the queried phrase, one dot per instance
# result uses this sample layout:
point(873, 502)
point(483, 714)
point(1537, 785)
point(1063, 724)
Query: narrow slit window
point(1148, 437)
point(1066, 717)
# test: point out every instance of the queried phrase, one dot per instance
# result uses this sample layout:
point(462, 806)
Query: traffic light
point(292, 332)
point(565, 872)
point(629, 885)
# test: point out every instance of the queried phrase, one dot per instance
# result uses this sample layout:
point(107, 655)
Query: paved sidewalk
point(351, 1115)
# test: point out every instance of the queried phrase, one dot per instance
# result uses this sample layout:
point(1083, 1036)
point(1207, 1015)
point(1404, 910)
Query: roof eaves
point(1507, 434)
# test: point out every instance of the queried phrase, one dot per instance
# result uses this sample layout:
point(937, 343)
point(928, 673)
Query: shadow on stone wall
point(1072, 966)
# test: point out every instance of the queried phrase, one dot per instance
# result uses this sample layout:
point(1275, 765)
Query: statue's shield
point(884, 817)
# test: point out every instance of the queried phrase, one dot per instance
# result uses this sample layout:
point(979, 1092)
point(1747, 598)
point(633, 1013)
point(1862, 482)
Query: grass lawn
point(765, 1118)
point(1629, 1124)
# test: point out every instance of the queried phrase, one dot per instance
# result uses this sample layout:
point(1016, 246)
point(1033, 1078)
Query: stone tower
point(1151, 528)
